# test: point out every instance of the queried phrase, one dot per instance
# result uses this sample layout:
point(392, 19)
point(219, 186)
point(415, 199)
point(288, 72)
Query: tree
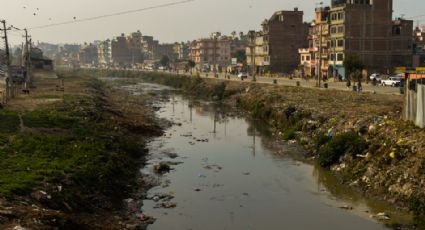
point(191, 65)
point(240, 55)
point(234, 34)
point(353, 66)
point(165, 61)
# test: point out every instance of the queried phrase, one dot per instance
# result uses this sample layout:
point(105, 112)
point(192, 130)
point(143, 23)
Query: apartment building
point(120, 51)
point(363, 28)
point(260, 55)
point(135, 47)
point(284, 33)
point(104, 49)
point(211, 52)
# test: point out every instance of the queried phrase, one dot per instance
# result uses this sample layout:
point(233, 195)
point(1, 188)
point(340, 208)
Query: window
point(341, 16)
point(307, 58)
point(281, 18)
point(333, 16)
point(340, 57)
point(333, 30)
point(332, 57)
point(340, 43)
point(302, 58)
point(341, 29)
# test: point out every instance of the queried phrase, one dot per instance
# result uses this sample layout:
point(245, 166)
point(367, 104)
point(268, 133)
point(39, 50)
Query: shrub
point(290, 133)
point(319, 140)
point(417, 206)
point(9, 122)
point(341, 144)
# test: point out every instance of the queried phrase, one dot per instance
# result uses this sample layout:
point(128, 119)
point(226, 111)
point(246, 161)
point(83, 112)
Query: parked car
point(376, 76)
point(242, 75)
point(392, 81)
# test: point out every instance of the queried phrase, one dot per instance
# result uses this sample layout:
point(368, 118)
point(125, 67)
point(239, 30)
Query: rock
point(346, 207)
point(6, 213)
point(169, 204)
point(383, 216)
point(131, 226)
point(18, 227)
point(162, 168)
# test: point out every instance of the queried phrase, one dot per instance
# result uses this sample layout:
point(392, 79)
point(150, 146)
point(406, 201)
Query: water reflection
point(245, 178)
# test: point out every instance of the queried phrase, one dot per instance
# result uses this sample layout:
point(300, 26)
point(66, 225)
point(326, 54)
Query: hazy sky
point(177, 23)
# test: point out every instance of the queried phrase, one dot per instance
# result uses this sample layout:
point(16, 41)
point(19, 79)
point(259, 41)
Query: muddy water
point(231, 173)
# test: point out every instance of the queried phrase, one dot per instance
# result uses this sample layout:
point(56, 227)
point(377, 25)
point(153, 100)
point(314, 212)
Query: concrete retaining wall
point(414, 104)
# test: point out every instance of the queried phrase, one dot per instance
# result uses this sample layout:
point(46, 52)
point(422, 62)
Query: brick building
point(88, 54)
point(135, 47)
point(363, 28)
point(120, 51)
point(284, 33)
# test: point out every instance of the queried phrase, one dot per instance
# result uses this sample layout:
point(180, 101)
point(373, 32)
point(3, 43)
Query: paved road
point(303, 83)
point(311, 83)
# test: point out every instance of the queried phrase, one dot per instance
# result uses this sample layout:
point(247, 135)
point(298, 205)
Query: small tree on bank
point(353, 68)
point(191, 65)
point(165, 61)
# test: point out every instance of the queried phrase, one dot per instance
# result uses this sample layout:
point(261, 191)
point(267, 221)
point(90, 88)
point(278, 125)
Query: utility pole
point(335, 56)
point(27, 59)
point(320, 47)
point(215, 54)
point(251, 35)
point(7, 59)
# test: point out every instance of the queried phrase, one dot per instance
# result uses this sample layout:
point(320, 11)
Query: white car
point(376, 76)
point(392, 81)
point(242, 75)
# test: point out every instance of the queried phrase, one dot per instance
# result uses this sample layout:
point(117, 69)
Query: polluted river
point(228, 171)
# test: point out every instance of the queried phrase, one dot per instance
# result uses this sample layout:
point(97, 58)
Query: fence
point(414, 102)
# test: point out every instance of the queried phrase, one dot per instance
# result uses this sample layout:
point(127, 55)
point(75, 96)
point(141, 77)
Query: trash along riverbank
point(360, 138)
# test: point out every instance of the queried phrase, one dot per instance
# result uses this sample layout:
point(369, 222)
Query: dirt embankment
point(71, 153)
point(361, 138)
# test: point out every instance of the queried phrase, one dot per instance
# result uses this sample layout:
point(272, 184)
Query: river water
point(231, 173)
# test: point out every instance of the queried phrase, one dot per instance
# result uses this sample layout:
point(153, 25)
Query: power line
point(112, 15)
point(417, 16)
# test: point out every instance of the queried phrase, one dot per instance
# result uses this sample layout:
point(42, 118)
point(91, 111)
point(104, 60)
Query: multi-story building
point(181, 51)
point(135, 47)
point(419, 47)
point(212, 53)
point(318, 45)
point(162, 50)
point(366, 29)
point(362, 28)
point(88, 54)
point(149, 46)
point(104, 49)
point(284, 33)
point(120, 51)
point(260, 55)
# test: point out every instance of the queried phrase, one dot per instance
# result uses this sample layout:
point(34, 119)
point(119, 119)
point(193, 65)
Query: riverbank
point(361, 138)
point(71, 153)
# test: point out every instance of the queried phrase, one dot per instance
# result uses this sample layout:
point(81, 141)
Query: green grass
point(87, 153)
point(9, 122)
point(49, 119)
